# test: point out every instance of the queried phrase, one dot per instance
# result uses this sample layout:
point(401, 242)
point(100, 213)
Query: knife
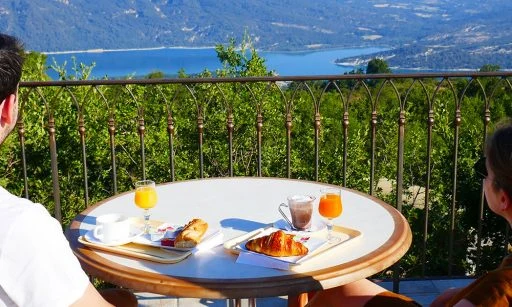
point(247, 236)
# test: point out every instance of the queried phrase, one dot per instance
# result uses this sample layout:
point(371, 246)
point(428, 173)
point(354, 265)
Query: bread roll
point(277, 244)
point(191, 234)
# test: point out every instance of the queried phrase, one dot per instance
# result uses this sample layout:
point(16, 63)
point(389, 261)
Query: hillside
point(437, 27)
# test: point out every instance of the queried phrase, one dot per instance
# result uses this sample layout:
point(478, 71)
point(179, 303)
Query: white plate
point(147, 239)
point(134, 233)
point(316, 225)
point(165, 230)
point(313, 243)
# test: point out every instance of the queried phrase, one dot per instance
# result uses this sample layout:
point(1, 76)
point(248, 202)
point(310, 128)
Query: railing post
point(81, 131)
point(259, 127)
point(400, 162)
point(430, 124)
point(200, 128)
point(373, 123)
point(317, 134)
point(55, 169)
point(399, 188)
point(21, 135)
point(170, 132)
point(141, 129)
point(457, 122)
point(288, 126)
point(229, 126)
point(487, 120)
point(111, 133)
point(345, 147)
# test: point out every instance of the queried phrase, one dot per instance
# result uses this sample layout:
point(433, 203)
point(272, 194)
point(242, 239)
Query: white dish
point(316, 225)
point(147, 239)
point(313, 243)
point(134, 233)
point(164, 230)
point(316, 243)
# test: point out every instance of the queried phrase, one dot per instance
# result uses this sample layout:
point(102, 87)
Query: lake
point(120, 63)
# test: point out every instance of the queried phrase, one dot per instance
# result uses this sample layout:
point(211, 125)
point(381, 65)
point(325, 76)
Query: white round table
point(236, 206)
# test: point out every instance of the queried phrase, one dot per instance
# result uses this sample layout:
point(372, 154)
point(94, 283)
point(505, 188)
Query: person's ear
point(505, 201)
point(7, 115)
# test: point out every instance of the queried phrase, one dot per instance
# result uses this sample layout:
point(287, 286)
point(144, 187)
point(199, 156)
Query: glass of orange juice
point(145, 198)
point(330, 207)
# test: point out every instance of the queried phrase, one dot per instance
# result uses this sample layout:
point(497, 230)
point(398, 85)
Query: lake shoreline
point(311, 48)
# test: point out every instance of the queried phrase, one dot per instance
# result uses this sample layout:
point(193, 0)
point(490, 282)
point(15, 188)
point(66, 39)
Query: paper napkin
point(213, 240)
point(261, 260)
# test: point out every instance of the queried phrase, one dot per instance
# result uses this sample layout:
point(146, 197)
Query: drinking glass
point(145, 198)
point(330, 207)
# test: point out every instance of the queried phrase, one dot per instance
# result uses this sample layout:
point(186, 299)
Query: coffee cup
point(111, 228)
point(301, 211)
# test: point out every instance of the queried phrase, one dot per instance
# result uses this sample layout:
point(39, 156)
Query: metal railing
point(259, 96)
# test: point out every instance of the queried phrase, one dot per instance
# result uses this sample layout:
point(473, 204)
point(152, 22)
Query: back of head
point(499, 156)
point(11, 63)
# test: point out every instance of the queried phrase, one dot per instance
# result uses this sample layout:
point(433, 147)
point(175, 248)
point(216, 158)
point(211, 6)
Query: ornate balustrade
point(410, 139)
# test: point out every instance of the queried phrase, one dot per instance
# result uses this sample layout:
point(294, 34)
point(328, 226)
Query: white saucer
point(316, 225)
point(134, 233)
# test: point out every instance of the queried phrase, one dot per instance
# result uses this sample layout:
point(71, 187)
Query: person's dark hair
point(11, 63)
point(499, 156)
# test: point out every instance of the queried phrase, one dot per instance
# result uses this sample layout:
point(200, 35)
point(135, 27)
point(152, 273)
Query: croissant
point(277, 244)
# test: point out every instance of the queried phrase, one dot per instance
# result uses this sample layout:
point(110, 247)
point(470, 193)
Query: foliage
point(377, 66)
point(225, 117)
point(489, 67)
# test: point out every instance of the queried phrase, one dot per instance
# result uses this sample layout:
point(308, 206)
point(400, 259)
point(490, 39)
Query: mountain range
point(419, 33)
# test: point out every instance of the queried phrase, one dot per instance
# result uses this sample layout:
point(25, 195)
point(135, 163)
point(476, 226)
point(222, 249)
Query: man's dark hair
point(11, 63)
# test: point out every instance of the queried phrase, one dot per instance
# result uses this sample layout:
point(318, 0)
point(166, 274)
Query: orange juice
point(145, 197)
point(330, 205)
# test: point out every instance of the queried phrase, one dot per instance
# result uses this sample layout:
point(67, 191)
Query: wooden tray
point(145, 252)
point(345, 234)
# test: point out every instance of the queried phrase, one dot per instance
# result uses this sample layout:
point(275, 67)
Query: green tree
point(155, 75)
point(241, 60)
point(490, 67)
point(35, 67)
point(377, 66)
